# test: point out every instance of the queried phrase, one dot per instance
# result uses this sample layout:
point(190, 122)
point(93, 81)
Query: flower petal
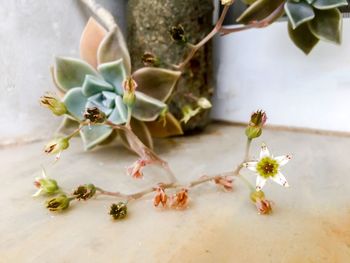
point(75, 102)
point(114, 73)
point(93, 135)
point(280, 179)
point(260, 182)
point(250, 165)
point(147, 108)
point(70, 72)
point(90, 40)
point(283, 159)
point(156, 82)
point(264, 151)
point(113, 47)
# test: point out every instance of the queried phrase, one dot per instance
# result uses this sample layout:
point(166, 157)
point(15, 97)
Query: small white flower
point(268, 167)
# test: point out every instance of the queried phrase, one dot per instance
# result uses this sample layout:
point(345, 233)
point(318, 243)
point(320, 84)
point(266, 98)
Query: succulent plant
point(96, 80)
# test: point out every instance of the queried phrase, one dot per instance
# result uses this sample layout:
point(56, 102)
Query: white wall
point(263, 69)
point(32, 32)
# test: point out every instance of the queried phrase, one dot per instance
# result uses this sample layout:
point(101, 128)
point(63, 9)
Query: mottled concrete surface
point(310, 223)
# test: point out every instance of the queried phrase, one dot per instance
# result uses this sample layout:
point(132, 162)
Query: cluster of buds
point(129, 86)
point(53, 104)
point(177, 33)
point(135, 170)
point(262, 205)
point(58, 203)
point(84, 192)
point(160, 197)
point(57, 145)
point(225, 181)
point(180, 199)
point(150, 60)
point(118, 211)
point(256, 123)
point(94, 115)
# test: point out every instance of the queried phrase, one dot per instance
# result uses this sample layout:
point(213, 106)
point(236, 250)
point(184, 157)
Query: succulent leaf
point(170, 126)
point(302, 37)
point(94, 135)
point(93, 85)
point(70, 72)
point(327, 25)
point(147, 108)
point(259, 10)
point(90, 40)
point(156, 82)
point(119, 114)
point(75, 102)
point(114, 73)
point(329, 4)
point(298, 13)
point(141, 131)
point(112, 48)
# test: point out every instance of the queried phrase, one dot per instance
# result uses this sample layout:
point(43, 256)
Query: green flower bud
point(118, 211)
point(129, 86)
point(256, 123)
point(94, 115)
point(178, 33)
point(58, 203)
point(46, 185)
point(84, 192)
point(204, 103)
point(57, 145)
point(256, 195)
point(54, 104)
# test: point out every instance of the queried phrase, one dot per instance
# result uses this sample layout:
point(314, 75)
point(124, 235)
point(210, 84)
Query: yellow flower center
point(267, 167)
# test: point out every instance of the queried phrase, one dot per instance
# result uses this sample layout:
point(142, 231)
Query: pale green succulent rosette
point(308, 20)
point(86, 86)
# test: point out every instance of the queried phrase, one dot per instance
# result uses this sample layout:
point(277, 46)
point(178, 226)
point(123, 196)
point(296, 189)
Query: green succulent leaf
point(156, 82)
point(94, 135)
point(298, 13)
point(93, 85)
point(70, 72)
point(147, 108)
point(167, 127)
point(114, 73)
point(112, 48)
point(67, 126)
point(141, 131)
point(329, 4)
point(259, 10)
point(327, 25)
point(119, 114)
point(75, 102)
point(302, 37)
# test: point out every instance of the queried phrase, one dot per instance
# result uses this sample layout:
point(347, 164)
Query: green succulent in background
point(309, 20)
point(97, 79)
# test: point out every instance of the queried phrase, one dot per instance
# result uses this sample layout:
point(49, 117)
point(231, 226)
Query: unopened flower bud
point(84, 192)
point(118, 211)
point(129, 87)
point(178, 33)
point(160, 197)
point(256, 123)
point(58, 203)
point(57, 145)
point(262, 205)
point(54, 104)
point(94, 115)
point(180, 199)
point(225, 181)
point(150, 60)
point(204, 103)
point(46, 185)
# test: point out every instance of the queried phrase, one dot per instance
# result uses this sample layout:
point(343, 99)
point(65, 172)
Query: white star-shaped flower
point(268, 167)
